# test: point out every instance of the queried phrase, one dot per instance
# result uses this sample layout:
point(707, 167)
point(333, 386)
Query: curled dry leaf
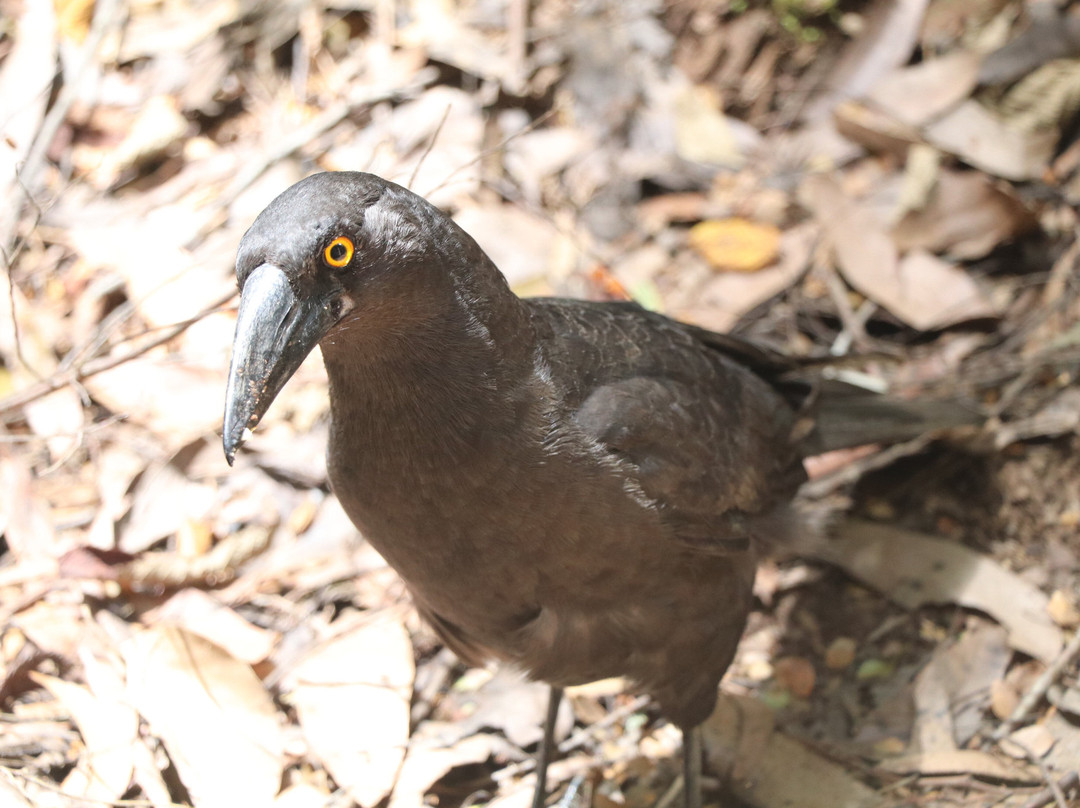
point(352, 696)
point(212, 713)
point(922, 290)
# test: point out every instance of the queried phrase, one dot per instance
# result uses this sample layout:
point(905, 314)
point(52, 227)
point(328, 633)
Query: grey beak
point(275, 331)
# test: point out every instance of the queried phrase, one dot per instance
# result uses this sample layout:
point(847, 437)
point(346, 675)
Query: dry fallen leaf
point(164, 499)
point(727, 296)
point(934, 293)
point(175, 400)
point(212, 713)
point(796, 675)
point(766, 769)
point(1033, 739)
point(919, 93)
point(964, 762)
point(352, 696)
point(108, 729)
point(966, 216)
point(736, 244)
point(916, 569)
point(428, 761)
point(201, 613)
point(980, 138)
point(921, 289)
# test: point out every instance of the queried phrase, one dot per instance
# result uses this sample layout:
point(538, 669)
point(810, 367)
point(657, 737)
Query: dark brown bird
point(574, 488)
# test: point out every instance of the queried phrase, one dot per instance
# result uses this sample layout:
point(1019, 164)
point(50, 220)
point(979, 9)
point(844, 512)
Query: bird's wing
point(707, 438)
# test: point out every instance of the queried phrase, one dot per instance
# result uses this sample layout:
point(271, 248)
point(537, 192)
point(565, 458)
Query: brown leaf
point(736, 244)
point(213, 714)
point(352, 696)
point(108, 728)
point(203, 614)
point(922, 290)
point(796, 675)
point(967, 216)
point(890, 34)
point(934, 293)
point(917, 94)
point(962, 761)
point(915, 569)
point(980, 138)
point(430, 760)
point(769, 770)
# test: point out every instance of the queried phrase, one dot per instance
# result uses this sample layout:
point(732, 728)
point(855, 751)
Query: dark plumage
point(575, 488)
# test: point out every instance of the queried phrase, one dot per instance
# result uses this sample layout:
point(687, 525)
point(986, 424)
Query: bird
point(578, 489)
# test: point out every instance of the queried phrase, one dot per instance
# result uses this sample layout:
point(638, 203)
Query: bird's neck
point(431, 384)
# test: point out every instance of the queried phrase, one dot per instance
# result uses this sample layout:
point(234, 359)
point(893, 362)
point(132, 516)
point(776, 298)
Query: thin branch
point(430, 146)
point(493, 150)
point(1038, 689)
point(101, 364)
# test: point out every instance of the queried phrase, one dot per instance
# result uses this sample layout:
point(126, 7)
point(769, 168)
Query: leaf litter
point(901, 179)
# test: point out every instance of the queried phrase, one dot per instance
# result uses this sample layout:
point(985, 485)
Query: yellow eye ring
point(339, 252)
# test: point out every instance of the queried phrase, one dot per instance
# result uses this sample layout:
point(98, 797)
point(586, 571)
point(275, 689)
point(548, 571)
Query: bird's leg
point(692, 767)
point(547, 744)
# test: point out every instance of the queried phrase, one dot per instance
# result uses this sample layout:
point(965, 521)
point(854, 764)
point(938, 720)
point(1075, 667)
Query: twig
point(1051, 784)
point(104, 15)
point(101, 364)
point(615, 716)
point(321, 123)
point(57, 789)
point(854, 322)
point(1047, 795)
point(576, 739)
point(1035, 694)
point(852, 472)
point(430, 146)
point(493, 150)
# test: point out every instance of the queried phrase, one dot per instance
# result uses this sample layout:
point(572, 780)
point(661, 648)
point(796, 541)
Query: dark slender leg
point(547, 745)
point(692, 767)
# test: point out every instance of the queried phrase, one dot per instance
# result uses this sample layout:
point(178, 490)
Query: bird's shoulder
point(692, 413)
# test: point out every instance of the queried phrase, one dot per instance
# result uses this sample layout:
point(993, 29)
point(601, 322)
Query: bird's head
point(336, 246)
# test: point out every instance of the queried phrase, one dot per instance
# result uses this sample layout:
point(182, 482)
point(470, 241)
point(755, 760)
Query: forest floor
point(892, 185)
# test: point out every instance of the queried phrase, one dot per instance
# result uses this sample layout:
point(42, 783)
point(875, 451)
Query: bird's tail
point(840, 415)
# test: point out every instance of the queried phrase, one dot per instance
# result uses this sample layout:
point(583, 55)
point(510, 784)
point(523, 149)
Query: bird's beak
point(275, 331)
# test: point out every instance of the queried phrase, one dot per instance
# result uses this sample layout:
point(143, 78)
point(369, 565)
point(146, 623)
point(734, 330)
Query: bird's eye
point(339, 252)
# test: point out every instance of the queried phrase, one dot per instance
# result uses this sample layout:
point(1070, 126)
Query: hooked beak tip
point(233, 442)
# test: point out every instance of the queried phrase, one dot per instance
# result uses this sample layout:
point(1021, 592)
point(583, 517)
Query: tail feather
point(844, 416)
